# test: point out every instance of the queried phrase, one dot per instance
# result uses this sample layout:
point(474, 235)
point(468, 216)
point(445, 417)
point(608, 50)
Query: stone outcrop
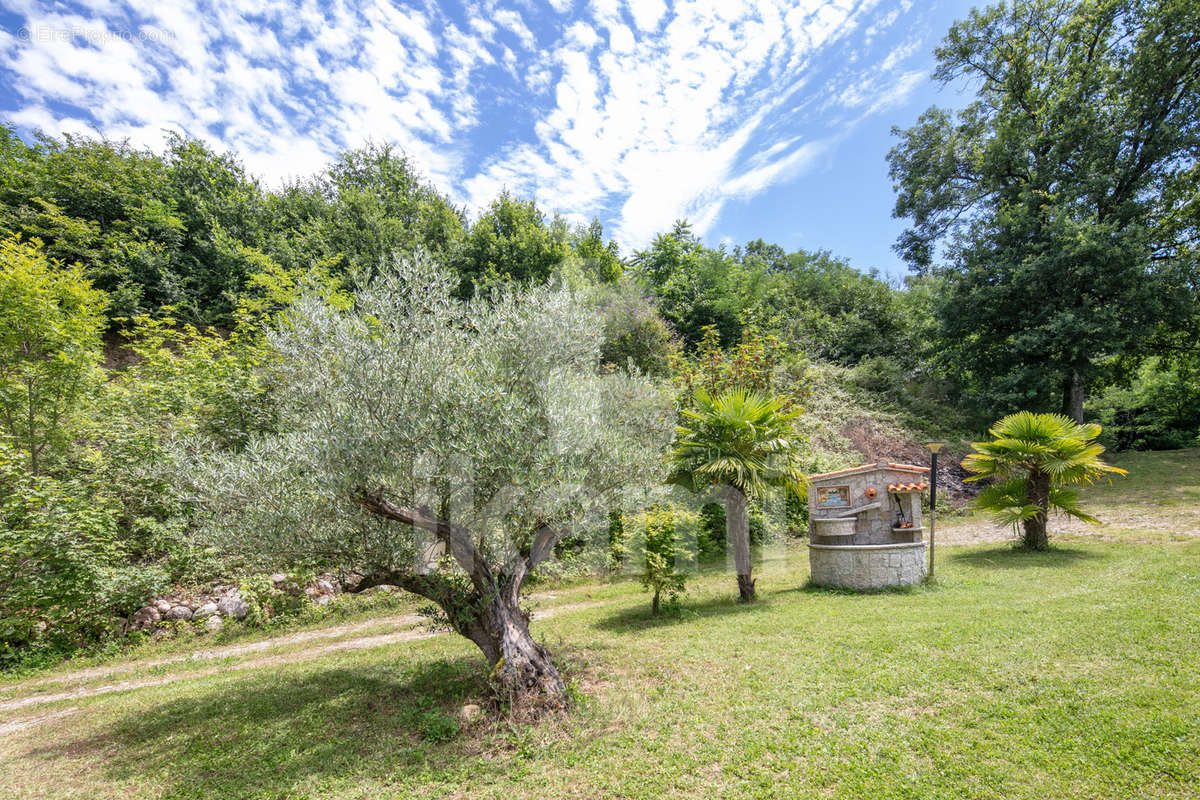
point(220, 602)
point(232, 605)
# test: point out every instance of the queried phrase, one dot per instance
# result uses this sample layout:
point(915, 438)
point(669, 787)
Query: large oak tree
point(1059, 205)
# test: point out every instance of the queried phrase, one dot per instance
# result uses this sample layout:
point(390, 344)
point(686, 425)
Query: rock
point(232, 605)
point(323, 599)
point(325, 586)
point(205, 611)
point(278, 578)
point(469, 713)
point(163, 605)
point(179, 612)
point(145, 617)
point(214, 624)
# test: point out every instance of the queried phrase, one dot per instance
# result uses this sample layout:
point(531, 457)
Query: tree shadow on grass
point(267, 735)
point(639, 618)
point(808, 587)
point(1016, 557)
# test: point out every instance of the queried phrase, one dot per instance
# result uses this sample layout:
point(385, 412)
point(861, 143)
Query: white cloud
point(637, 111)
point(679, 122)
point(285, 86)
point(581, 35)
point(647, 13)
point(510, 19)
point(620, 38)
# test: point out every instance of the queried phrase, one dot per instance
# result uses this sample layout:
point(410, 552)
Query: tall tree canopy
point(512, 241)
point(1060, 205)
point(183, 228)
point(369, 203)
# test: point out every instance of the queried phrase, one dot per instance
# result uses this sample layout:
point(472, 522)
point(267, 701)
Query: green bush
point(64, 577)
point(634, 333)
point(710, 533)
point(660, 530)
point(50, 324)
point(881, 375)
point(1158, 410)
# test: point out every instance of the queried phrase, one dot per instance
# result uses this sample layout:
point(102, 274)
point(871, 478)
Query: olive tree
point(445, 447)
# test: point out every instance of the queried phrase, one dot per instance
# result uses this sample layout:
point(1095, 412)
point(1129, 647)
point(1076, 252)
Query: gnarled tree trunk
point(1035, 527)
point(490, 614)
point(737, 529)
point(522, 671)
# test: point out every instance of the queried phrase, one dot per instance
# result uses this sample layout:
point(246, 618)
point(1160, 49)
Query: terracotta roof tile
point(863, 467)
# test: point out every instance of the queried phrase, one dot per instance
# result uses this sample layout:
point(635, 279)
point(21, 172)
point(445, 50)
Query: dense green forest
point(1052, 271)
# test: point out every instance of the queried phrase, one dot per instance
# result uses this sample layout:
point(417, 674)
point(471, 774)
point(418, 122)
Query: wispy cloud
point(638, 112)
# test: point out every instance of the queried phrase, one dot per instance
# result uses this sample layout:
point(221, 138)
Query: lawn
point(1071, 673)
point(1159, 501)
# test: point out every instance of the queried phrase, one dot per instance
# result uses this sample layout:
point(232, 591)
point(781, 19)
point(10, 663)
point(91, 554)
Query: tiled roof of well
point(866, 467)
point(907, 487)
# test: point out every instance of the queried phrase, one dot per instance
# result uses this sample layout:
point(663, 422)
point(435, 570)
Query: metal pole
point(932, 505)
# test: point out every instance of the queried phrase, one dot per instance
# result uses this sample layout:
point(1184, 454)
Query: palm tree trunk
point(1035, 527)
point(737, 529)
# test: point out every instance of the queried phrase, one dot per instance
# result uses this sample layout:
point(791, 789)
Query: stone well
point(865, 526)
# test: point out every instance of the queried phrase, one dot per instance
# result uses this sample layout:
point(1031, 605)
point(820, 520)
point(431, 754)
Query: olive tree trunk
point(489, 613)
point(1035, 537)
point(737, 530)
point(522, 671)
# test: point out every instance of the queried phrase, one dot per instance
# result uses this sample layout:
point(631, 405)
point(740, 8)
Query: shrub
point(660, 534)
point(634, 333)
point(63, 573)
point(50, 323)
point(710, 534)
point(1158, 410)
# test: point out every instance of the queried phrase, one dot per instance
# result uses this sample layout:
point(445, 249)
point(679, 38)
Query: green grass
point(1158, 501)
point(1071, 673)
point(1164, 480)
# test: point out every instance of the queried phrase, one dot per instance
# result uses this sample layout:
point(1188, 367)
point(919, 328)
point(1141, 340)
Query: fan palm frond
point(738, 438)
point(1033, 458)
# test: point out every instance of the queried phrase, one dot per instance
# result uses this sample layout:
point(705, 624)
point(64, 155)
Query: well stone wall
point(867, 567)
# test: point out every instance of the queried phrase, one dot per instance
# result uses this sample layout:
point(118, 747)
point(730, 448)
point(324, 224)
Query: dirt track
point(232, 651)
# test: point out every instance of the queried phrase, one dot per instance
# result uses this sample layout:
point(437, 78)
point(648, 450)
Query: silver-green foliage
point(491, 413)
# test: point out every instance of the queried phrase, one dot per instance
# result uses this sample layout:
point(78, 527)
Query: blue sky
point(752, 119)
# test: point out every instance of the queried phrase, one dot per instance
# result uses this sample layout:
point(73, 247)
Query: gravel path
point(1150, 521)
point(229, 651)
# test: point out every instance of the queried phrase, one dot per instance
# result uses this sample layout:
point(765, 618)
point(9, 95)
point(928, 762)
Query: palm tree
point(1034, 458)
point(742, 444)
